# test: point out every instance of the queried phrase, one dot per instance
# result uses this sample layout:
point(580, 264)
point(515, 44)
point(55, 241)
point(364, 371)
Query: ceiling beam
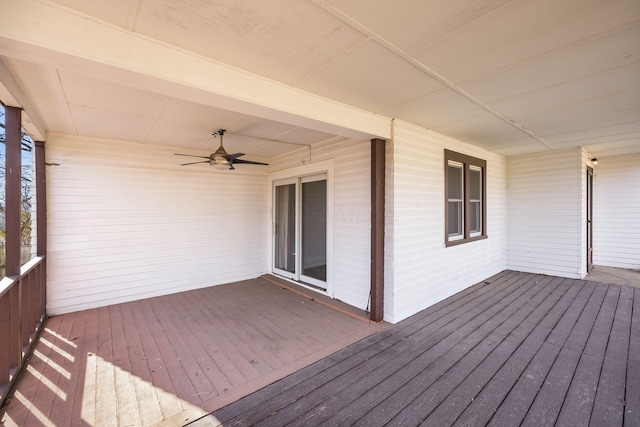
point(427, 70)
point(11, 94)
point(43, 32)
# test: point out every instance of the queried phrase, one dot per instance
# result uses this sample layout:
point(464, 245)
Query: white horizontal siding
point(351, 212)
point(616, 216)
point(546, 213)
point(126, 222)
point(419, 269)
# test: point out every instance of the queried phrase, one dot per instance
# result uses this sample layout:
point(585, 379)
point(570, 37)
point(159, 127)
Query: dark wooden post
point(377, 229)
point(13, 172)
point(13, 244)
point(41, 230)
point(5, 337)
point(41, 199)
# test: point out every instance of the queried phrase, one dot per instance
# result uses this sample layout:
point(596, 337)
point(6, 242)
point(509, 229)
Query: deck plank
point(514, 407)
point(470, 385)
point(578, 404)
point(221, 340)
point(548, 403)
point(84, 407)
point(169, 316)
point(426, 389)
point(151, 355)
point(212, 350)
point(275, 325)
point(242, 334)
point(609, 404)
point(332, 366)
point(482, 406)
point(535, 360)
point(549, 399)
point(60, 369)
point(632, 398)
point(398, 420)
point(261, 336)
point(368, 351)
point(434, 331)
point(520, 322)
point(42, 377)
point(170, 359)
point(514, 349)
point(126, 394)
point(210, 379)
point(498, 364)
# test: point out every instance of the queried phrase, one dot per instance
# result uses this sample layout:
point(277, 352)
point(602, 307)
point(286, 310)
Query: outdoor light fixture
point(594, 161)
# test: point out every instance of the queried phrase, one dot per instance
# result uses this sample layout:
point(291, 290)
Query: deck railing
point(22, 314)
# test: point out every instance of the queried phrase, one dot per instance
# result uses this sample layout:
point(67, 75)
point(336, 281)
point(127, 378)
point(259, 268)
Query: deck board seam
point(526, 325)
point(509, 395)
point(387, 334)
point(516, 311)
point(514, 287)
point(564, 353)
point(515, 356)
point(587, 356)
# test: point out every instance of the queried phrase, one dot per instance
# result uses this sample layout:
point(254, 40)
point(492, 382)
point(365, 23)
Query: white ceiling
point(513, 77)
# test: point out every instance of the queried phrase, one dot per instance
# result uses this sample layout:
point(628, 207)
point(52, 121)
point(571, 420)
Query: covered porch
point(437, 153)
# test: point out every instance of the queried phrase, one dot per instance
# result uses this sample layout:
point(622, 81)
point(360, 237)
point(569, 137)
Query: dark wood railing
point(22, 314)
point(23, 298)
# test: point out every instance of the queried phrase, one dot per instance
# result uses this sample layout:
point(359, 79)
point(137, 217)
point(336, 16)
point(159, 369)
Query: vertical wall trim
point(13, 172)
point(377, 229)
point(41, 199)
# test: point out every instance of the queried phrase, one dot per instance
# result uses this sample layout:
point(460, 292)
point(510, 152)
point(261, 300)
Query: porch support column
point(377, 229)
point(13, 172)
point(41, 199)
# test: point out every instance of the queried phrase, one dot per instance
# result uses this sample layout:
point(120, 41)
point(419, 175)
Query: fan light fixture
point(220, 159)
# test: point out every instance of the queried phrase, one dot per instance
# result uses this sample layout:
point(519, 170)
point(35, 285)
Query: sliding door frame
point(274, 243)
point(296, 173)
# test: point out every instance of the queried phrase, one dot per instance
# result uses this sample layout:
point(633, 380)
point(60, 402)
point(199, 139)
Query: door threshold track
point(325, 300)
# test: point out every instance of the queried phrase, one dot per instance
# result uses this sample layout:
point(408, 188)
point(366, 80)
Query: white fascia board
point(40, 31)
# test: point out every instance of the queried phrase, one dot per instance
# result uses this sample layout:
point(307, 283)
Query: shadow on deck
point(175, 358)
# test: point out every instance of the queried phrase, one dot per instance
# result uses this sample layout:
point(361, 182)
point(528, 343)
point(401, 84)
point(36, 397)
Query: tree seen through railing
point(25, 195)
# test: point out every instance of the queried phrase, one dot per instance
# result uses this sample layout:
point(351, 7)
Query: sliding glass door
point(314, 230)
point(300, 230)
point(285, 230)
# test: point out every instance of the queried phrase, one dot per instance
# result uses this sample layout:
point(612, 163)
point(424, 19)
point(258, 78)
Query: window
point(465, 198)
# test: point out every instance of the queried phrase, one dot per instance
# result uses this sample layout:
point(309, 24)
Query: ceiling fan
point(220, 159)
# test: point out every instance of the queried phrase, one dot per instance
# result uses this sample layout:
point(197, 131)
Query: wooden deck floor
point(173, 359)
point(517, 349)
